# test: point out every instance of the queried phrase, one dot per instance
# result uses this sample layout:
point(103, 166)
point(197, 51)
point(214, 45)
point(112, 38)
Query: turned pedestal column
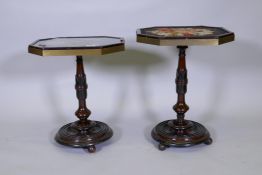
point(83, 133)
point(180, 132)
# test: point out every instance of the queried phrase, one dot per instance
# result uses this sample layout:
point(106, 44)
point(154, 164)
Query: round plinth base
point(169, 133)
point(84, 135)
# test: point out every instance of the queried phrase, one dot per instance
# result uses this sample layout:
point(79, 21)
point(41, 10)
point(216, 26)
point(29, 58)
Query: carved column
point(81, 91)
point(83, 133)
point(181, 87)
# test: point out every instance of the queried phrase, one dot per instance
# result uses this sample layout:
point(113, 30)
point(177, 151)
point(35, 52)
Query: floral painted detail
point(181, 32)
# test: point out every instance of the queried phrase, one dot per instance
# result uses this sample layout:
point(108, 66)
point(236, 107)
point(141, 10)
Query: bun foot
point(91, 148)
point(162, 147)
point(208, 141)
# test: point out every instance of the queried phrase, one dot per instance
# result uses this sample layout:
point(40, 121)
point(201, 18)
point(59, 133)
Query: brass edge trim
point(35, 51)
point(142, 39)
point(73, 52)
point(176, 42)
point(188, 42)
point(108, 50)
point(227, 38)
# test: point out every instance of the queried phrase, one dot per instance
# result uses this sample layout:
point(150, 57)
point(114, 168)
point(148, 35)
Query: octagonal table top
point(184, 35)
point(65, 46)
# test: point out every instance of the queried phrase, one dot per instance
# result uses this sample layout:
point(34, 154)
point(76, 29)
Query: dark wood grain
point(181, 86)
point(180, 132)
point(83, 133)
point(81, 91)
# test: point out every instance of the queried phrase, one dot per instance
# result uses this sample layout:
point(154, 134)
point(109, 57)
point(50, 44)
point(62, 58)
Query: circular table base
point(85, 135)
point(169, 133)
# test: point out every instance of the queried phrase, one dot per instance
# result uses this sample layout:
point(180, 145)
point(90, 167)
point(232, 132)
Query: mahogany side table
point(83, 133)
point(180, 132)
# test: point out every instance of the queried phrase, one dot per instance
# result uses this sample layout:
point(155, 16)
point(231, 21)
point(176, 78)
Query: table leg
point(81, 92)
point(180, 132)
point(181, 87)
point(83, 133)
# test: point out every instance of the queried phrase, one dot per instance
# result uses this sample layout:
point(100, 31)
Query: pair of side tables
point(86, 133)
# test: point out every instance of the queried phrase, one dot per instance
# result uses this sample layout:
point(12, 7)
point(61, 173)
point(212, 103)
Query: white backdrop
point(132, 91)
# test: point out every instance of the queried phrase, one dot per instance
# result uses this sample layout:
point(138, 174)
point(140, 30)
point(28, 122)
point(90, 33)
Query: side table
point(180, 132)
point(83, 133)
